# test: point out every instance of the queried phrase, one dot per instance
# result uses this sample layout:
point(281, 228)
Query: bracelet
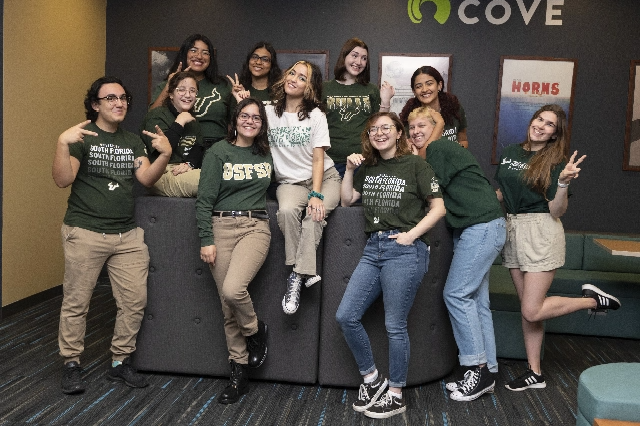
point(385, 106)
point(562, 185)
point(316, 195)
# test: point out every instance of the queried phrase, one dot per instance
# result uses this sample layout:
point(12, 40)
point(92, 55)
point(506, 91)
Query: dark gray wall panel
point(602, 35)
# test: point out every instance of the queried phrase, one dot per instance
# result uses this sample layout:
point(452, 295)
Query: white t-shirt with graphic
point(292, 142)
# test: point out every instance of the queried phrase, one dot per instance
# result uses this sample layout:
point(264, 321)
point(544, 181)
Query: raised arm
point(165, 90)
point(148, 173)
point(558, 206)
point(65, 167)
point(348, 195)
point(386, 93)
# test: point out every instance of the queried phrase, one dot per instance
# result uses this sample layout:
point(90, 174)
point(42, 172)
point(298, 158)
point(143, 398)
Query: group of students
point(228, 136)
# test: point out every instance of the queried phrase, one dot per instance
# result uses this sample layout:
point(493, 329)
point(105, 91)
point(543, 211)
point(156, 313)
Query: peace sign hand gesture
point(76, 133)
point(571, 170)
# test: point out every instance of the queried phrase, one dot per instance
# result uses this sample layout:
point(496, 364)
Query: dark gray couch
point(182, 331)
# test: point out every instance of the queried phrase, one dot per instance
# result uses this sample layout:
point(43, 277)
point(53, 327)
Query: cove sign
point(496, 12)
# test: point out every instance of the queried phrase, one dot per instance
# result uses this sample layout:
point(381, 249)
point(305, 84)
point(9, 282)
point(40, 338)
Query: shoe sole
point(364, 408)
point(233, 401)
point(599, 292)
point(385, 415)
point(463, 398)
point(72, 392)
point(131, 385)
point(311, 281)
point(265, 351)
point(533, 386)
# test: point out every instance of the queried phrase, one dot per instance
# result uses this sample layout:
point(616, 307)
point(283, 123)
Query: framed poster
point(526, 83)
point(632, 134)
point(397, 69)
point(286, 58)
point(160, 60)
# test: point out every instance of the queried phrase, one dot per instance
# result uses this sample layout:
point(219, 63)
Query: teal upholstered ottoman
point(609, 391)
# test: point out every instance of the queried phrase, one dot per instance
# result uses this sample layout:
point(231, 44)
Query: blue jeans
point(396, 271)
point(466, 292)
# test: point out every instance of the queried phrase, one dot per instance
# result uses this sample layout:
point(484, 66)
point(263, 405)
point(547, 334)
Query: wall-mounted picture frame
point(286, 58)
point(160, 61)
point(525, 84)
point(632, 133)
point(397, 69)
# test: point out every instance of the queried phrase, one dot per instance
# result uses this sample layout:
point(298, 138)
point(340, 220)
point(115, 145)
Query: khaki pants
point(183, 185)
point(301, 237)
point(127, 258)
point(242, 245)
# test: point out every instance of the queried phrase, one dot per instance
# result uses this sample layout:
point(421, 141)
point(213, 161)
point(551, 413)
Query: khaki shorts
point(535, 242)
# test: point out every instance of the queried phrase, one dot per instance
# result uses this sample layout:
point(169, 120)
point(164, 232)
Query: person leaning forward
point(98, 159)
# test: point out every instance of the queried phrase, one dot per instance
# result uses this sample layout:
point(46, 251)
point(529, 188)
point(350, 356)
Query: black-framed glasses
point(183, 90)
point(112, 99)
point(246, 117)
point(385, 129)
point(196, 51)
point(264, 59)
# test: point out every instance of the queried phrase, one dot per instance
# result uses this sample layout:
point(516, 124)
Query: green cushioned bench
point(586, 262)
point(609, 391)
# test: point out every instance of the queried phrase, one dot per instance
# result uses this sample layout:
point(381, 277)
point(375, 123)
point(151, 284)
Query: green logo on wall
point(443, 9)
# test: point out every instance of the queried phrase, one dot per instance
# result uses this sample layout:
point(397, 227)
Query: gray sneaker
point(291, 299)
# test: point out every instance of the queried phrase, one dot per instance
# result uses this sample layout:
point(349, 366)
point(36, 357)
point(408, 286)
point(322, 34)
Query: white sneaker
point(312, 280)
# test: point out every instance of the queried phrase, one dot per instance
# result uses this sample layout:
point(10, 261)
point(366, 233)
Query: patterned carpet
point(30, 370)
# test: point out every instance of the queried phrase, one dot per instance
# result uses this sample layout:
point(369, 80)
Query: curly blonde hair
point(312, 97)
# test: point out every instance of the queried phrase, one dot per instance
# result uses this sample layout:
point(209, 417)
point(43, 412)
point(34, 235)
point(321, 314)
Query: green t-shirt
point(101, 198)
point(212, 107)
point(261, 95)
point(165, 118)
point(519, 198)
point(348, 109)
point(232, 178)
point(394, 193)
point(468, 195)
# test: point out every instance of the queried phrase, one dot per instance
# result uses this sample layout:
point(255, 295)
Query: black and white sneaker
point(311, 280)
point(369, 393)
point(477, 382)
point(529, 380)
point(603, 300)
point(387, 406)
point(291, 299)
point(454, 386)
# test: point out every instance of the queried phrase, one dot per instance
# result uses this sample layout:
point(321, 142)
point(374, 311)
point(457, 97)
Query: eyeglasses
point(246, 117)
point(183, 90)
point(385, 128)
point(112, 99)
point(196, 51)
point(264, 59)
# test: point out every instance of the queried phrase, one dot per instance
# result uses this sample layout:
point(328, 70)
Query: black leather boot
point(238, 384)
point(257, 345)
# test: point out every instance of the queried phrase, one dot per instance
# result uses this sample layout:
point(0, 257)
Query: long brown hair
point(449, 104)
point(312, 92)
point(372, 155)
point(538, 174)
point(340, 69)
